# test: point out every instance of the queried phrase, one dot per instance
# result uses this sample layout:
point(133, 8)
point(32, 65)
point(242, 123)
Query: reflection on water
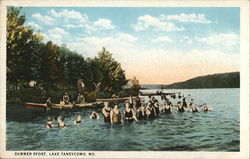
point(217, 130)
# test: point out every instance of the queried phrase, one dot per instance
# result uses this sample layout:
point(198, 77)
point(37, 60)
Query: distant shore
point(220, 80)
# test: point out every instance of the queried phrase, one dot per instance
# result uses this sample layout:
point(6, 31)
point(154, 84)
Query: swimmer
point(78, 119)
point(206, 108)
point(61, 123)
point(94, 115)
point(49, 124)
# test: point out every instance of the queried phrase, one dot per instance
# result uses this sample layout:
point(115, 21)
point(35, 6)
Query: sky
point(157, 45)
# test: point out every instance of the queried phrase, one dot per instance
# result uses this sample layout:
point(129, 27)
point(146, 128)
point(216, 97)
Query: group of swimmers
point(62, 124)
point(134, 110)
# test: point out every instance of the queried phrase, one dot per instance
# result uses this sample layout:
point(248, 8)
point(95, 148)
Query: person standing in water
point(180, 107)
point(141, 114)
point(106, 112)
point(167, 108)
point(131, 102)
point(192, 103)
point(157, 108)
point(115, 115)
point(192, 106)
point(184, 103)
point(150, 110)
point(129, 114)
point(137, 102)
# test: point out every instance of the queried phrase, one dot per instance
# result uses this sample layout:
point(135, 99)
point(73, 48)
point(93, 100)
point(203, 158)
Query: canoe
point(113, 99)
point(35, 105)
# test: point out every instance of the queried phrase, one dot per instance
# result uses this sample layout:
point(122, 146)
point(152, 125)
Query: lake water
point(216, 130)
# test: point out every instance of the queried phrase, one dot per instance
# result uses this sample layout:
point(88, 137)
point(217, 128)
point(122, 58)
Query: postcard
point(124, 79)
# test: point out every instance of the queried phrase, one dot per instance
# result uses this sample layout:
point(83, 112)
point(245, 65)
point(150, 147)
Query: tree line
point(220, 80)
point(54, 68)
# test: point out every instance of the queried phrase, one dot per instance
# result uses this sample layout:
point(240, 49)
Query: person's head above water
point(50, 119)
point(116, 106)
point(127, 105)
point(106, 104)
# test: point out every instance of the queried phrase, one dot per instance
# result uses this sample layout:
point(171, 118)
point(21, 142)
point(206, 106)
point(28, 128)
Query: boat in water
point(112, 99)
point(60, 106)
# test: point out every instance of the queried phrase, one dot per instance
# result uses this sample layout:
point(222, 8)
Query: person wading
point(106, 112)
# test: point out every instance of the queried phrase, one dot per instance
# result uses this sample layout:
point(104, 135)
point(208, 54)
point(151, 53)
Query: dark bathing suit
point(107, 119)
point(128, 116)
point(79, 121)
point(185, 104)
point(152, 113)
point(167, 110)
point(181, 109)
point(140, 116)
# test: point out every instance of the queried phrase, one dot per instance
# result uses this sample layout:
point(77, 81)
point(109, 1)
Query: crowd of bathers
point(134, 110)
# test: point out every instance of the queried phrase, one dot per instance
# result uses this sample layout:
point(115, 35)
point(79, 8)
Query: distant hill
point(222, 80)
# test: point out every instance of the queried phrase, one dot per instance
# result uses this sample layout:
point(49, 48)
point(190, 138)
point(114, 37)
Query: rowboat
point(112, 99)
point(60, 106)
point(35, 105)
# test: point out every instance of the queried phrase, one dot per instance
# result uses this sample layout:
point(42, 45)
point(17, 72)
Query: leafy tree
point(50, 72)
point(55, 68)
point(114, 75)
point(22, 49)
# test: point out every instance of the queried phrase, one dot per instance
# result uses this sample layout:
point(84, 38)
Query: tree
point(22, 50)
point(114, 75)
point(50, 72)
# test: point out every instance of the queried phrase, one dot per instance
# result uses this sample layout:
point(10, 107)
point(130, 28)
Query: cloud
point(57, 35)
point(185, 18)
point(45, 19)
point(35, 26)
point(127, 37)
point(104, 24)
point(157, 24)
point(229, 39)
point(90, 45)
point(69, 14)
point(162, 39)
point(186, 40)
point(57, 30)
